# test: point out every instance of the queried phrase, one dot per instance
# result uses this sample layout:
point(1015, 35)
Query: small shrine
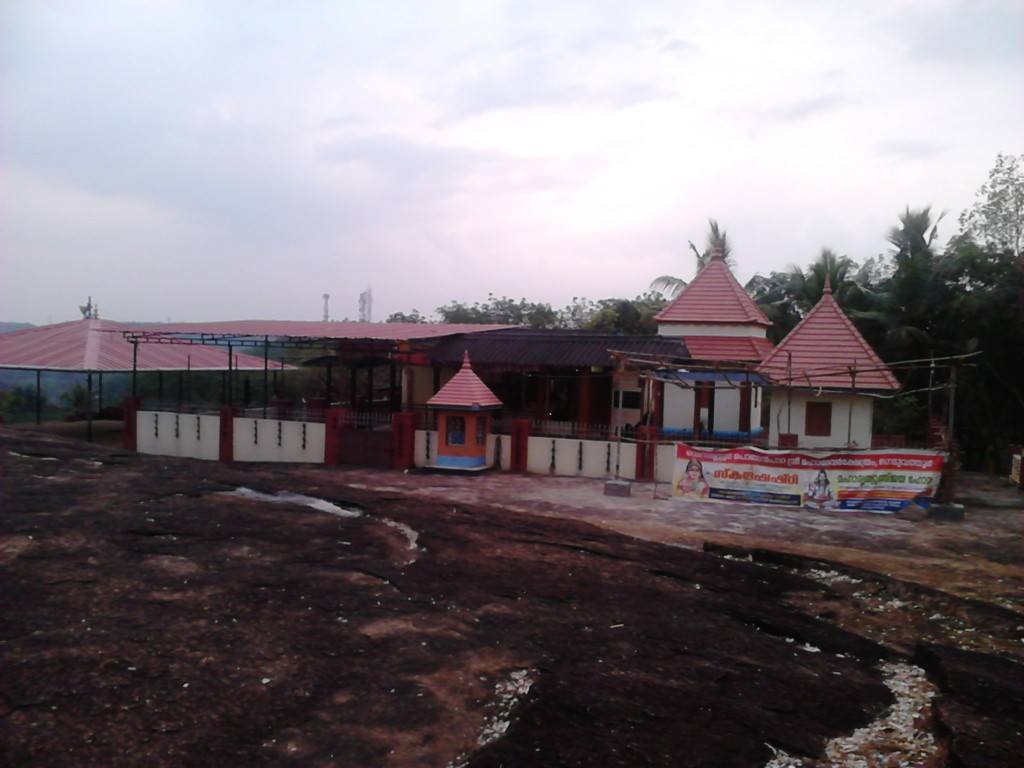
point(463, 408)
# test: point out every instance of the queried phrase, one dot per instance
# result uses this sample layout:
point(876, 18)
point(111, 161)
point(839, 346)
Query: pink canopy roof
point(98, 345)
point(321, 330)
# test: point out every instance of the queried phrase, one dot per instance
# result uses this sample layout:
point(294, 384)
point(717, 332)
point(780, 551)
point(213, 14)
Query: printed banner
point(881, 481)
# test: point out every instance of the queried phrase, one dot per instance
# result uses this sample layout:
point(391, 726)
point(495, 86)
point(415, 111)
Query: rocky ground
point(154, 614)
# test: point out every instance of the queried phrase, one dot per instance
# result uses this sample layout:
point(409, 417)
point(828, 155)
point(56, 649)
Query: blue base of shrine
point(460, 462)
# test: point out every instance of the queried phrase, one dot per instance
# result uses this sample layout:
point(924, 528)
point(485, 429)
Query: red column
point(131, 419)
point(520, 444)
point(583, 399)
point(403, 440)
point(333, 424)
point(227, 433)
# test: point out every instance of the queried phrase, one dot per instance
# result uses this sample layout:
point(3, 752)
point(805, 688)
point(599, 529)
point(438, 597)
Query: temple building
point(725, 333)
point(824, 375)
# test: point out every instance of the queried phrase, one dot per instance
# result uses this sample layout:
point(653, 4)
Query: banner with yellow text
point(881, 481)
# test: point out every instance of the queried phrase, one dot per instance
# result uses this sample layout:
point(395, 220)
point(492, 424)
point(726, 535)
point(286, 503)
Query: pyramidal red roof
point(465, 390)
point(713, 296)
point(824, 346)
point(98, 345)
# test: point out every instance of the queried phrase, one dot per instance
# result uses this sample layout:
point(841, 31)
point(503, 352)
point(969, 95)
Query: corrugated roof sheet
point(713, 296)
point(465, 390)
point(824, 346)
point(98, 345)
point(554, 348)
point(728, 348)
point(321, 330)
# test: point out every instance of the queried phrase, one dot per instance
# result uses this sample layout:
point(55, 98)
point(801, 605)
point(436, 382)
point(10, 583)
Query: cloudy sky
point(218, 160)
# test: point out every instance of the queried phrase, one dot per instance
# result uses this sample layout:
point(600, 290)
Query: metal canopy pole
point(88, 406)
point(849, 411)
point(230, 381)
point(135, 367)
point(99, 405)
point(789, 393)
point(39, 397)
point(266, 370)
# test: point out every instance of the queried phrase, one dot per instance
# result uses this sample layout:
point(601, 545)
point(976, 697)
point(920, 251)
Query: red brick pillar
point(520, 444)
point(227, 432)
point(646, 445)
point(583, 402)
point(403, 440)
point(132, 405)
point(333, 424)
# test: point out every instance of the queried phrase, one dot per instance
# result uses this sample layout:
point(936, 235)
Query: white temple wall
point(710, 329)
point(857, 430)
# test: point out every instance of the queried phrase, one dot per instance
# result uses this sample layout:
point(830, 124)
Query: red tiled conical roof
point(465, 391)
point(824, 346)
point(713, 296)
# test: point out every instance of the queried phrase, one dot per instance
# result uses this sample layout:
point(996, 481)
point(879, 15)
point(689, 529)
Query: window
point(455, 430)
point(630, 399)
point(818, 421)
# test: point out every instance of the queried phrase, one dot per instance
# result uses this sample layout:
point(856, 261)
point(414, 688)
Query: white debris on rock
point(285, 497)
point(899, 737)
point(410, 534)
point(508, 693)
point(832, 577)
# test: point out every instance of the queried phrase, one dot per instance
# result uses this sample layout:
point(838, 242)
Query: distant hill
point(8, 327)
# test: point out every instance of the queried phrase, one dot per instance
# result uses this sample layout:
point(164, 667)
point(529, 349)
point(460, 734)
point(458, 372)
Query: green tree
point(500, 310)
point(996, 220)
point(407, 317)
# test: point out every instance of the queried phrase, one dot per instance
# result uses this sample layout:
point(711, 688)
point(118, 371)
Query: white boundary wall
point(257, 440)
point(596, 461)
point(155, 433)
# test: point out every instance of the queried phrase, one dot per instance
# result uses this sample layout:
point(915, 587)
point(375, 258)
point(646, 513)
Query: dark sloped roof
point(552, 348)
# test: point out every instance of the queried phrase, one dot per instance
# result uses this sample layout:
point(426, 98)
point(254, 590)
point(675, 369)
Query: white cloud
point(441, 152)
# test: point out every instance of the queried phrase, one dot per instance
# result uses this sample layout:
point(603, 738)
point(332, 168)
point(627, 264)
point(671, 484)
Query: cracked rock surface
point(150, 619)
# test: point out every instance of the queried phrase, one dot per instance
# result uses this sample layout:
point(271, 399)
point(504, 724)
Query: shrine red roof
point(99, 345)
point(465, 390)
point(824, 347)
point(728, 348)
point(713, 296)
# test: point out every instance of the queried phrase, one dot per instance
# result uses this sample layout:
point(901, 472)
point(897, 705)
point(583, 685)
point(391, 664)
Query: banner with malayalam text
point(883, 480)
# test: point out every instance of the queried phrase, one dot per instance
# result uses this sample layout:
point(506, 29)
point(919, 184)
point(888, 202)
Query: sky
point(233, 160)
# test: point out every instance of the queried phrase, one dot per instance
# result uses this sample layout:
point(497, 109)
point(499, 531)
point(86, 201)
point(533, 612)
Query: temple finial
point(828, 285)
point(465, 359)
point(717, 254)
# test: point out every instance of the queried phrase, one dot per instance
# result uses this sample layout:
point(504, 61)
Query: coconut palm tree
point(806, 286)
point(717, 241)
